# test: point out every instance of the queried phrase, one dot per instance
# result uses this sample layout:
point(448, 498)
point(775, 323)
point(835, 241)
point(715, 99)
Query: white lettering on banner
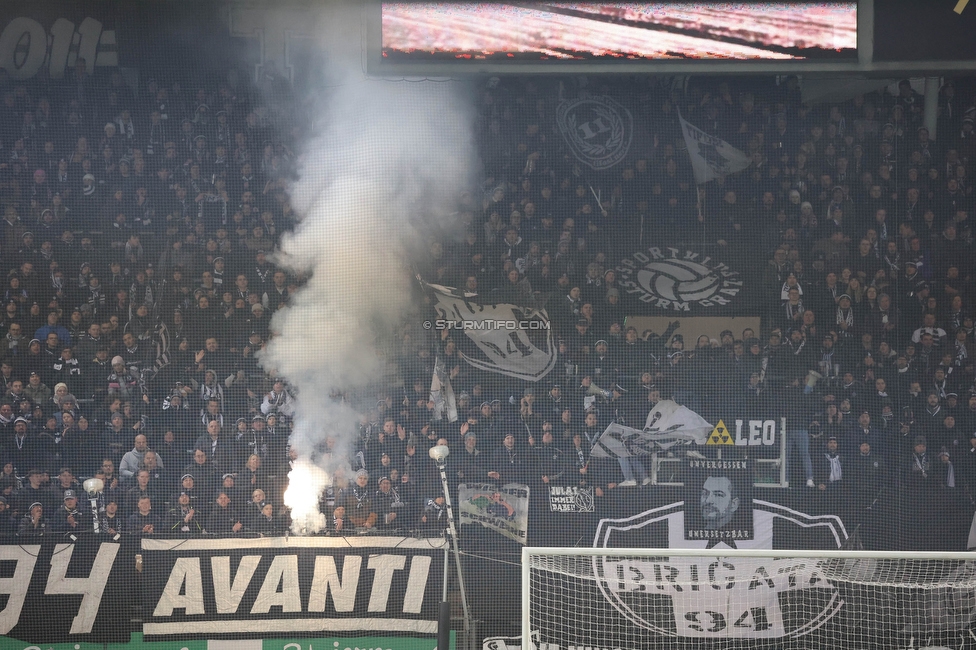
point(326, 578)
point(756, 433)
point(383, 567)
point(228, 594)
point(185, 573)
point(25, 47)
point(281, 587)
point(91, 588)
point(283, 572)
point(719, 597)
point(416, 584)
point(15, 587)
point(570, 499)
point(275, 32)
point(345, 585)
point(749, 603)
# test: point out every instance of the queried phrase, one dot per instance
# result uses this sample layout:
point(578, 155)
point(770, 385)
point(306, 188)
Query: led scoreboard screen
point(499, 32)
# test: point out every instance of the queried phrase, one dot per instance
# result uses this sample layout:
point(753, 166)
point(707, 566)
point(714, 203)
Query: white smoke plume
point(387, 164)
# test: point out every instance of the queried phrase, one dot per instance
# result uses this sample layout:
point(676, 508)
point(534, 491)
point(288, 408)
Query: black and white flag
point(668, 424)
point(711, 156)
point(508, 339)
point(442, 393)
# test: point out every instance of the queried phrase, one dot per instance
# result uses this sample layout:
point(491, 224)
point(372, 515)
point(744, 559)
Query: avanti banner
point(252, 588)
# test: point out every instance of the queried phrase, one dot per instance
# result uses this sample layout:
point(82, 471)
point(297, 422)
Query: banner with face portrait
point(718, 505)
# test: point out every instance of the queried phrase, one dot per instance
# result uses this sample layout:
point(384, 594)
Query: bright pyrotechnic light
point(306, 482)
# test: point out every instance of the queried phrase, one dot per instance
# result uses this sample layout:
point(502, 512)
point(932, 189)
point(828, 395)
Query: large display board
point(703, 29)
point(449, 38)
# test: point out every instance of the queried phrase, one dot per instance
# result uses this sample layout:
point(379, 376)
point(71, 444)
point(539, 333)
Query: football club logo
point(678, 280)
point(598, 130)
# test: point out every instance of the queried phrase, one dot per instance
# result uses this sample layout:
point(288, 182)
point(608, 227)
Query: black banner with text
point(213, 588)
point(62, 590)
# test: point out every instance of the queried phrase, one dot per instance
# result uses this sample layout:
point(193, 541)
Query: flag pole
point(701, 216)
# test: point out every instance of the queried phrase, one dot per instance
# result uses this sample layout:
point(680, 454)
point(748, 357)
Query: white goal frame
point(529, 551)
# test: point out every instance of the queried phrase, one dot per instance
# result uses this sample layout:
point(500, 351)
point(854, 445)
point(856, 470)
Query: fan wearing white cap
point(34, 523)
point(69, 518)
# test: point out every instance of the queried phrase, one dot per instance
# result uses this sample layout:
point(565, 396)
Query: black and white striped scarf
point(845, 317)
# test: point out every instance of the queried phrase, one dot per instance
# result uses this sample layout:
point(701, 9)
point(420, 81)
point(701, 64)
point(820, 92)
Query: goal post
point(628, 599)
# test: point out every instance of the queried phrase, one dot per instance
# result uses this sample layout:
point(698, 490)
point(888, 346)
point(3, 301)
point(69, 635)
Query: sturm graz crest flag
point(676, 280)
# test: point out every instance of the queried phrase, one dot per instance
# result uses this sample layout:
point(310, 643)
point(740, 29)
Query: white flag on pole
point(711, 157)
point(442, 393)
point(668, 424)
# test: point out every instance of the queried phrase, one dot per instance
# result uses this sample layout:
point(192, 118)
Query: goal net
point(579, 598)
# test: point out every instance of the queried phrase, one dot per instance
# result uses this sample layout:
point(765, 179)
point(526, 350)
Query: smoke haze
point(388, 161)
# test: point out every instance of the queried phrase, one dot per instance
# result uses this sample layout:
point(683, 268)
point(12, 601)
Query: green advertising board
point(351, 643)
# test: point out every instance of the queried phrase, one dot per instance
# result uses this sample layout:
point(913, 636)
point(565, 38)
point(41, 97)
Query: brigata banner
point(59, 590)
point(250, 588)
point(503, 509)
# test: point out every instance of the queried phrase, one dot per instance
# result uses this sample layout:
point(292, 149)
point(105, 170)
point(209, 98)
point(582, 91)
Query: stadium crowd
point(138, 227)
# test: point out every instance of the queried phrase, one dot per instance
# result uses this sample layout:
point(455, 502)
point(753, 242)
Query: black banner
point(256, 588)
point(59, 590)
point(570, 499)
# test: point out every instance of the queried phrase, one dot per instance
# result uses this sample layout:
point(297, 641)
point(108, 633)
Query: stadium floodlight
point(439, 454)
point(94, 487)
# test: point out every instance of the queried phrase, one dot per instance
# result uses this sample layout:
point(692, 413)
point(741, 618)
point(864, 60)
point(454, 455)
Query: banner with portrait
point(722, 491)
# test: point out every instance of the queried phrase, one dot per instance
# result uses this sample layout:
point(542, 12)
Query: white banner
point(711, 157)
point(503, 509)
point(668, 424)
